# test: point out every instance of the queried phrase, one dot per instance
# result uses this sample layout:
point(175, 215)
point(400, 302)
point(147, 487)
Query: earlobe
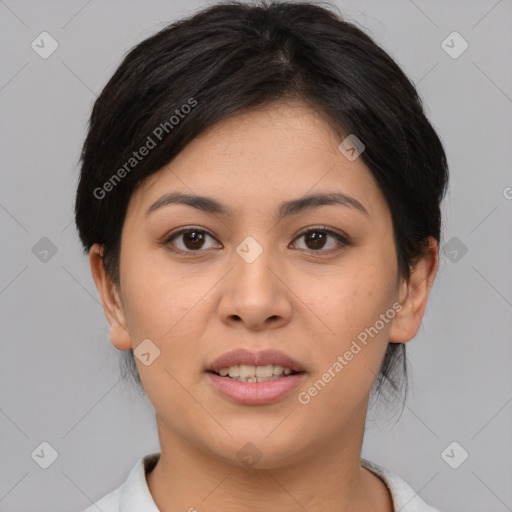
point(120, 337)
point(111, 301)
point(413, 295)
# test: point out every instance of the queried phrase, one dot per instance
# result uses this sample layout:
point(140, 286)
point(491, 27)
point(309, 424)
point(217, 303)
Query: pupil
point(196, 238)
point(318, 239)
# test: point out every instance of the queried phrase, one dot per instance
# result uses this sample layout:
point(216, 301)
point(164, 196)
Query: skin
point(310, 305)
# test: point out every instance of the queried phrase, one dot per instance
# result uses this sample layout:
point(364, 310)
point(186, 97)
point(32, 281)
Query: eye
point(190, 239)
point(317, 239)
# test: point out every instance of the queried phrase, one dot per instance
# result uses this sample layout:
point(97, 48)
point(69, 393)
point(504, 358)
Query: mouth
point(255, 378)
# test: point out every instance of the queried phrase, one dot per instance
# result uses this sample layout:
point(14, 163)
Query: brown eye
point(188, 240)
point(193, 239)
point(316, 239)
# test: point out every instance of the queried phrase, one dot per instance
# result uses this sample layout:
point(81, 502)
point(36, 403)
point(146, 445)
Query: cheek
point(163, 306)
point(160, 301)
point(356, 297)
point(347, 360)
point(355, 303)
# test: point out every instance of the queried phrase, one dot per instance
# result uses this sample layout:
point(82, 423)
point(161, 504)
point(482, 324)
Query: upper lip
point(262, 358)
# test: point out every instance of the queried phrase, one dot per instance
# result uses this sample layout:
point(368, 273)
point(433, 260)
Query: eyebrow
point(287, 208)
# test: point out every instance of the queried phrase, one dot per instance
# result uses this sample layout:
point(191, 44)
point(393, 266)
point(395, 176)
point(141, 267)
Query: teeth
point(249, 373)
point(278, 369)
point(256, 379)
point(245, 371)
point(233, 371)
point(265, 371)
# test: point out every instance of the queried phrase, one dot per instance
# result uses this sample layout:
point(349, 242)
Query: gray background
point(59, 374)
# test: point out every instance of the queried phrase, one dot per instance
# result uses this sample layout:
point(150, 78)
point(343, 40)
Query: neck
point(328, 477)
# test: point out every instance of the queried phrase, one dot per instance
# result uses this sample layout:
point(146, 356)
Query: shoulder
point(404, 497)
point(133, 494)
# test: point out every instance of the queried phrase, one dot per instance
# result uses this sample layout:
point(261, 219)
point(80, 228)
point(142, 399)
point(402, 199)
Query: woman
point(260, 199)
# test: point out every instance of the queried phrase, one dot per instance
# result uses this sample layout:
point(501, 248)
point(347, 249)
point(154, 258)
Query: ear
point(413, 295)
point(111, 300)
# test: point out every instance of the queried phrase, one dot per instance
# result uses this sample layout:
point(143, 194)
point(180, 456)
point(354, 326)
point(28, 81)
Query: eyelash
point(343, 240)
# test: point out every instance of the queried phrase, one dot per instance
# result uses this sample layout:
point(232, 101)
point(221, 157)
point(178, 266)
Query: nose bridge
point(253, 294)
point(252, 260)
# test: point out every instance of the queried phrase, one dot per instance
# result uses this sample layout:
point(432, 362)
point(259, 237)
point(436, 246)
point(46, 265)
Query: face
point(317, 283)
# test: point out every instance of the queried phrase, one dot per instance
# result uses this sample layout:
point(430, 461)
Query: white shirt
point(134, 496)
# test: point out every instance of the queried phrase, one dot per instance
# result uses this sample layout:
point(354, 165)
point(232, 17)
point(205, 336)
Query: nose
point(255, 294)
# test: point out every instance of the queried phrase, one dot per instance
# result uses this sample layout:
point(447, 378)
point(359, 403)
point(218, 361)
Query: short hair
point(235, 56)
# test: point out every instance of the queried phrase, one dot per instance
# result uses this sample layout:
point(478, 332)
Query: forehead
point(259, 157)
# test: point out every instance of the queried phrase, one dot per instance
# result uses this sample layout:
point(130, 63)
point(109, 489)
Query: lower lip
point(256, 393)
